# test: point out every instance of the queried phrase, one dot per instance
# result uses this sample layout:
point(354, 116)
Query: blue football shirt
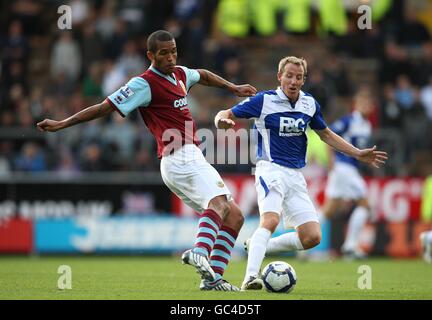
point(281, 125)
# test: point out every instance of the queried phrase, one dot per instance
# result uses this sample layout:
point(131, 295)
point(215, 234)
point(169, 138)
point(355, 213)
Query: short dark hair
point(160, 35)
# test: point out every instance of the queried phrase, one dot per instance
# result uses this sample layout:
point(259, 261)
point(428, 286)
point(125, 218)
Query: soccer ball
point(279, 276)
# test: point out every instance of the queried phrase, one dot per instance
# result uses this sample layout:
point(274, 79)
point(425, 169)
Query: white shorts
point(188, 174)
point(345, 182)
point(283, 190)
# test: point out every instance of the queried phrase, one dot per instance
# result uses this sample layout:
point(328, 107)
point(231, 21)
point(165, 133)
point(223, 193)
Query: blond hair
point(293, 60)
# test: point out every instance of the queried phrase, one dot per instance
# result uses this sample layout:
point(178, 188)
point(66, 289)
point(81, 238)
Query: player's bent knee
point(238, 222)
point(239, 219)
point(235, 218)
point(221, 206)
point(270, 221)
point(310, 237)
point(311, 240)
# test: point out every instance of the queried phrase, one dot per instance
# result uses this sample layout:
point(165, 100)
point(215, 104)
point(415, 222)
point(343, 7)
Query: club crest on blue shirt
point(305, 104)
point(291, 127)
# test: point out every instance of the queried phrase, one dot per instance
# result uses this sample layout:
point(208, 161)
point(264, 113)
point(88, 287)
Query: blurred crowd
point(51, 73)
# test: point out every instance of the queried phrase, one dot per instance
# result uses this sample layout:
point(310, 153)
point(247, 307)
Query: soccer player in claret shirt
point(160, 95)
point(281, 117)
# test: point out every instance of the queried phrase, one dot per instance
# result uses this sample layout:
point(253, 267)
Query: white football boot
point(252, 283)
point(219, 285)
point(200, 262)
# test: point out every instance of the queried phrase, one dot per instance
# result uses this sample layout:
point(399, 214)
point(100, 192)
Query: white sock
point(256, 252)
point(356, 223)
point(286, 242)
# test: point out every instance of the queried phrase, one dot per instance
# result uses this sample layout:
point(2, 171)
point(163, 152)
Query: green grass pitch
point(165, 278)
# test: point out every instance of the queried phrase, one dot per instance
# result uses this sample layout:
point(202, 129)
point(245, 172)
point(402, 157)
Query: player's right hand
point(225, 124)
point(244, 90)
point(49, 125)
point(372, 156)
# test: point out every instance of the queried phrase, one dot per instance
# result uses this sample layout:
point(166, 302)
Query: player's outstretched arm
point(208, 78)
point(370, 156)
point(224, 119)
point(88, 114)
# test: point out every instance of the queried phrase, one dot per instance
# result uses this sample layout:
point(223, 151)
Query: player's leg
point(307, 236)
point(270, 208)
point(209, 225)
point(179, 178)
point(347, 185)
point(356, 223)
point(217, 198)
point(331, 207)
point(197, 256)
point(357, 191)
point(298, 213)
point(257, 250)
point(426, 242)
point(226, 238)
point(219, 222)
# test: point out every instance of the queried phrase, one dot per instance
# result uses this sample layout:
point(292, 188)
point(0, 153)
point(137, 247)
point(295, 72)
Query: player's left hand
point(225, 124)
point(244, 90)
point(372, 157)
point(49, 125)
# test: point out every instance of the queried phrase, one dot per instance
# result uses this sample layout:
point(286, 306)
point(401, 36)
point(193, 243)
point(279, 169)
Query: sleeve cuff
point(114, 107)
point(235, 113)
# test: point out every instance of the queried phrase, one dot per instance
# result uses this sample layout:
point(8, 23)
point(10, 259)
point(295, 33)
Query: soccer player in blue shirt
point(346, 187)
point(281, 117)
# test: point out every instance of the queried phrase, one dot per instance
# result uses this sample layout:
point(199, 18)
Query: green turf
point(164, 278)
